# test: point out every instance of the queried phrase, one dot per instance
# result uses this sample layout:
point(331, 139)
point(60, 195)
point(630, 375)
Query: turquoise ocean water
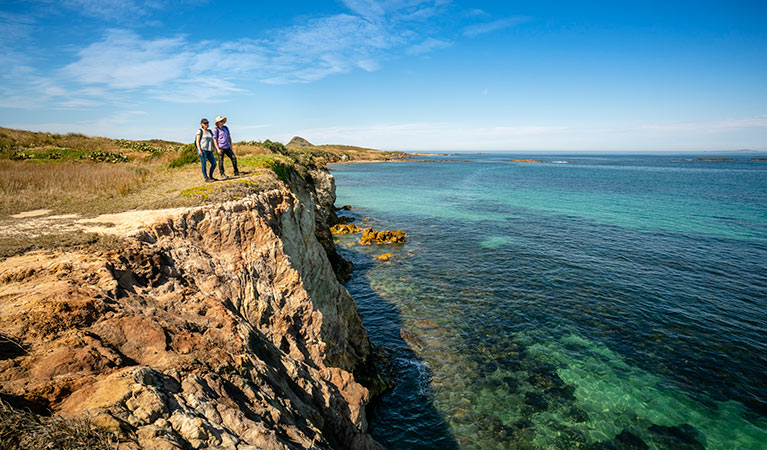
point(593, 301)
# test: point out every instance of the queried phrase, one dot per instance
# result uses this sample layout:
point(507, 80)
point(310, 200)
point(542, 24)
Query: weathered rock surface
point(371, 236)
point(343, 228)
point(220, 327)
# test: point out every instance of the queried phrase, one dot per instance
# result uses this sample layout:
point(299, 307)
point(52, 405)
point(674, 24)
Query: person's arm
point(197, 142)
point(229, 135)
point(215, 140)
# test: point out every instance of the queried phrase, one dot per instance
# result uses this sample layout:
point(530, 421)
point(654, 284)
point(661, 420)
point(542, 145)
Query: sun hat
point(220, 119)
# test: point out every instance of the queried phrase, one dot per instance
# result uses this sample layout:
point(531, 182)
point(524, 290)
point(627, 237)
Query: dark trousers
point(227, 152)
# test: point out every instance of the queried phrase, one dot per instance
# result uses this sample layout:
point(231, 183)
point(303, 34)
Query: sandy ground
point(32, 224)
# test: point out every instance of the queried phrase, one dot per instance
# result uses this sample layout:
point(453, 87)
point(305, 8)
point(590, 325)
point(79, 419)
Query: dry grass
point(26, 185)
point(248, 149)
point(22, 430)
point(31, 139)
point(20, 144)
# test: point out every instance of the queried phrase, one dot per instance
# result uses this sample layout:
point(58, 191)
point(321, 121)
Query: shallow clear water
point(595, 304)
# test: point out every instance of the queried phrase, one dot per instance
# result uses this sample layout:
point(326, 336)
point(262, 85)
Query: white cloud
point(369, 9)
point(104, 8)
point(302, 53)
point(14, 27)
point(428, 46)
point(175, 68)
point(488, 27)
point(709, 126)
point(124, 61)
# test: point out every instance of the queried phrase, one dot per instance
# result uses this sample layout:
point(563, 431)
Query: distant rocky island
point(714, 159)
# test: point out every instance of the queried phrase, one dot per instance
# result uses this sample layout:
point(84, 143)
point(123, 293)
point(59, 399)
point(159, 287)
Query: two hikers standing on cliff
point(221, 139)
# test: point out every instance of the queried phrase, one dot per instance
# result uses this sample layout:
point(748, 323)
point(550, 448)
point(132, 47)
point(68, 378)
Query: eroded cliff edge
point(219, 326)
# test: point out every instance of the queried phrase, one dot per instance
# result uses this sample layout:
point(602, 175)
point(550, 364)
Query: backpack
point(202, 133)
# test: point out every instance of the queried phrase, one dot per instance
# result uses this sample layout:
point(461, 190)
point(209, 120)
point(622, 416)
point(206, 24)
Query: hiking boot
point(236, 173)
point(212, 179)
point(207, 180)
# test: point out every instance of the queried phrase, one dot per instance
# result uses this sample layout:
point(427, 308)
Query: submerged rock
point(385, 257)
point(626, 440)
point(630, 441)
point(683, 437)
point(536, 401)
point(371, 236)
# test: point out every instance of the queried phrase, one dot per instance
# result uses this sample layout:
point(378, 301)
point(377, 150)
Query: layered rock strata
point(222, 326)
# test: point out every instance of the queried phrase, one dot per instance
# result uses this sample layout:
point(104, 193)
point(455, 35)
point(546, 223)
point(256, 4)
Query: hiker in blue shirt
point(224, 141)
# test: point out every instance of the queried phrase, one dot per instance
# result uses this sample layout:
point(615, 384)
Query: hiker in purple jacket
point(224, 141)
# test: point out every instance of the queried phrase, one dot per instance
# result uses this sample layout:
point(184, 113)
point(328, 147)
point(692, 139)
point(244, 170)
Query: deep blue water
point(592, 304)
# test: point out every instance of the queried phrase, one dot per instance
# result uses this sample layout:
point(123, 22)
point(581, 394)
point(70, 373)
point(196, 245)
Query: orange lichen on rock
point(385, 257)
point(527, 160)
point(345, 228)
point(371, 236)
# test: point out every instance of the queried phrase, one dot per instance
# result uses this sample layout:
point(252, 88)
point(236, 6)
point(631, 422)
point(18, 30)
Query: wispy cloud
point(106, 8)
point(302, 53)
point(124, 61)
point(709, 126)
point(488, 27)
point(114, 11)
point(14, 27)
point(176, 68)
point(428, 46)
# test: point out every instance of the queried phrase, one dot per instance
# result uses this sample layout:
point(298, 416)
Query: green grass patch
point(280, 165)
point(198, 191)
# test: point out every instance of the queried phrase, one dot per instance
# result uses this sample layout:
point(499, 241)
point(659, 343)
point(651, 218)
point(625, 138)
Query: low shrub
point(22, 430)
point(105, 156)
point(186, 154)
point(139, 146)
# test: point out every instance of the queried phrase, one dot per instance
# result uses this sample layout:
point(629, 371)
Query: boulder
point(371, 236)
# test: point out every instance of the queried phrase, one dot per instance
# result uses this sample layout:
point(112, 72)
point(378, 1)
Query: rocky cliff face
point(220, 326)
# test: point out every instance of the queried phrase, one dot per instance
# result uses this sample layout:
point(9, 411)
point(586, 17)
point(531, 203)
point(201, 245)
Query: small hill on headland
point(298, 141)
point(336, 153)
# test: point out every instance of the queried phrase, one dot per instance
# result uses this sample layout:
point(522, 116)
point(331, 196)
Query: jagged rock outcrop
point(344, 228)
point(220, 326)
point(321, 191)
point(371, 236)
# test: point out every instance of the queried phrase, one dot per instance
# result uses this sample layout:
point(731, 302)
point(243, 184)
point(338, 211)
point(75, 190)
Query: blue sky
point(394, 74)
